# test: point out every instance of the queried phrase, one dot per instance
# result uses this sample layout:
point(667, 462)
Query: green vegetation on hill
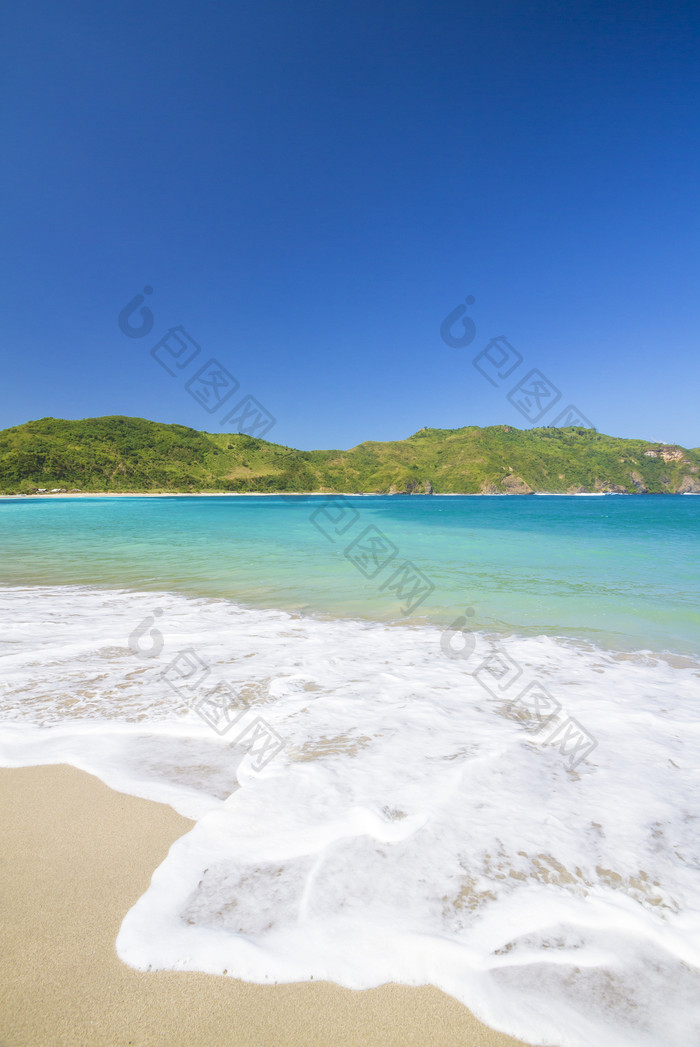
point(133, 454)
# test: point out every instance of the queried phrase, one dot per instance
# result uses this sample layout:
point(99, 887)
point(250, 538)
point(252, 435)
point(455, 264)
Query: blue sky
point(311, 188)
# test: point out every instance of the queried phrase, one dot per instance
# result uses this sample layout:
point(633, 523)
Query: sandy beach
point(74, 857)
point(176, 494)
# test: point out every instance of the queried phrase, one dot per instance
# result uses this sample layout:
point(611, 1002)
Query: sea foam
point(414, 827)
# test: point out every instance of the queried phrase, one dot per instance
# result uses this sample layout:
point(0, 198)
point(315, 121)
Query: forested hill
point(133, 454)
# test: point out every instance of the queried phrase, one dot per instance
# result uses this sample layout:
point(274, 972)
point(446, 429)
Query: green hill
point(133, 454)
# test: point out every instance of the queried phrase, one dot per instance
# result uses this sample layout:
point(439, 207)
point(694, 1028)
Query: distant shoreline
point(345, 494)
point(54, 456)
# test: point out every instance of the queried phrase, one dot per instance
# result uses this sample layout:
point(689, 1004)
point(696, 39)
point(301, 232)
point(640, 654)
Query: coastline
point(75, 857)
point(185, 494)
point(338, 494)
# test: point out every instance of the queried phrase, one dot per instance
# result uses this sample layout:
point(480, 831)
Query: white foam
point(413, 828)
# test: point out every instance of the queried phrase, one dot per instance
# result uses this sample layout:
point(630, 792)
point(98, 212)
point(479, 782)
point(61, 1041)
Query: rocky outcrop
point(508, 485)
point(668, 452)
point(515, 485)
point(414, 487)
point(639, 484)
point(672, 454)
point(489, 488)
point(689, 485)
point(607, 487)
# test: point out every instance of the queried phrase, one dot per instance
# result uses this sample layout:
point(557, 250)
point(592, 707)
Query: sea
point(442, 740)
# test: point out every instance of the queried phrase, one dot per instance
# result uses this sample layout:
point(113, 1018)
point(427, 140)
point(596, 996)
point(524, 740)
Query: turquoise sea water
point(622, 572)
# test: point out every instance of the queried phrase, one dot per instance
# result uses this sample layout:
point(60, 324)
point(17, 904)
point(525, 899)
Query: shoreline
point(75, 857)
point(344, 494)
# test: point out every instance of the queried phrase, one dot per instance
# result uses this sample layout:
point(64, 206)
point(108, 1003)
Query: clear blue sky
point(310, 188)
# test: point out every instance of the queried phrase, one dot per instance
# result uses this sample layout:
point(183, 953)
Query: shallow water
point(623, 572)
